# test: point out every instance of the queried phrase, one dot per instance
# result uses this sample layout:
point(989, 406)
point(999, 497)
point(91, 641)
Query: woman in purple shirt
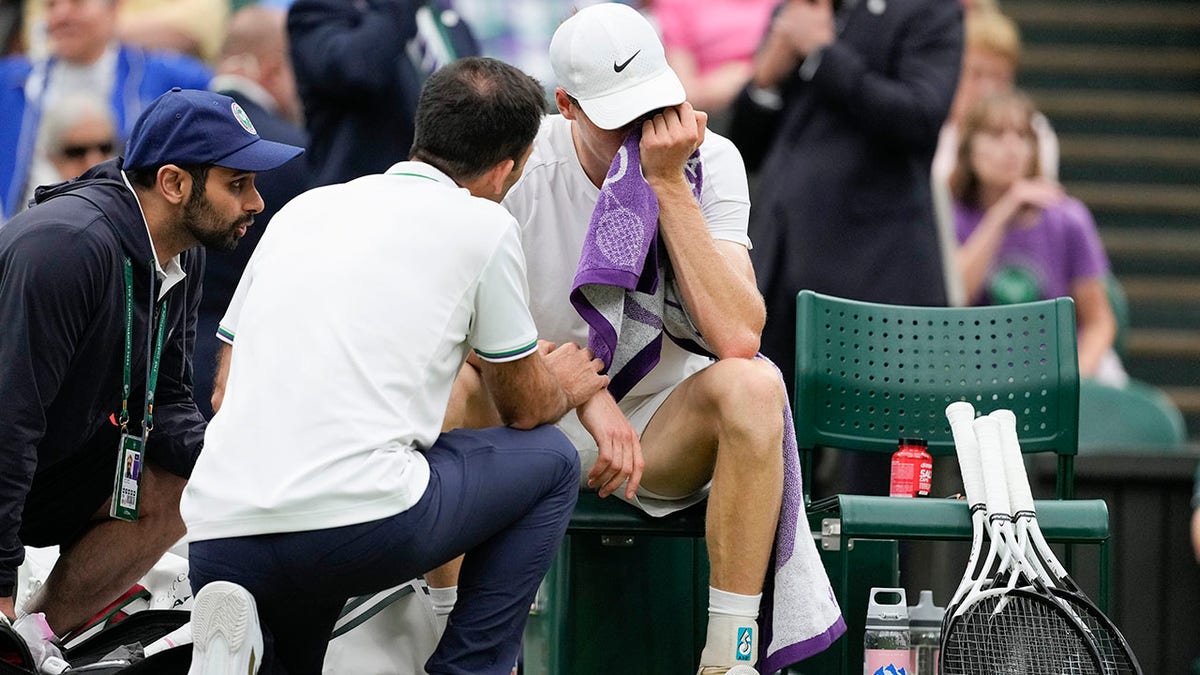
point(1021, 238)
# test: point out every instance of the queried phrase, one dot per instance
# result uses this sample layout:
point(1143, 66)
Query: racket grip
point(961, 414)
point(988, 434)
point(1019, 495)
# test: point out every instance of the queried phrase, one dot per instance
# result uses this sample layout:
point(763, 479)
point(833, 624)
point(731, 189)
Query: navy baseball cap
point(190, 126)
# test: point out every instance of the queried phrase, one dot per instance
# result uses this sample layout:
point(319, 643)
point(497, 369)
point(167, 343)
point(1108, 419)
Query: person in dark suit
point(255, 71)
point(359, 66)
point(842, 118)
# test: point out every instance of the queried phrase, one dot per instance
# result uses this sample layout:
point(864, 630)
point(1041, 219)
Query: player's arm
point(715, 277)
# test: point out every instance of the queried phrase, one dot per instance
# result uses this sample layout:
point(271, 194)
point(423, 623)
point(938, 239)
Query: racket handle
point(961, 414)
point(1019, 495)
point(994, 483)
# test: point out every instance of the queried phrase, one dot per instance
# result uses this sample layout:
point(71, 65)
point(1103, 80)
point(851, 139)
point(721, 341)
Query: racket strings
point(1113, 653)
point(1014, 635)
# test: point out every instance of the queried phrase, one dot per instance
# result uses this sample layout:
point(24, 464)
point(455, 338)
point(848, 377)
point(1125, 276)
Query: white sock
point(732, 629)
point(443, 600)
point(733, 604)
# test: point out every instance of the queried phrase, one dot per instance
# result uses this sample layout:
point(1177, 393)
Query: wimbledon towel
point(625, 290)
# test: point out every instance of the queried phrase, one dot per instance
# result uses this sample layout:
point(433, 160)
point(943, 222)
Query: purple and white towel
point(625, 290)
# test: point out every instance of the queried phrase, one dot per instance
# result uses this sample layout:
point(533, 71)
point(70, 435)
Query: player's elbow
point(740, 344)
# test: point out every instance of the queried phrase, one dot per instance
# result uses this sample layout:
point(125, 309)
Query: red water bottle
point(912, 469)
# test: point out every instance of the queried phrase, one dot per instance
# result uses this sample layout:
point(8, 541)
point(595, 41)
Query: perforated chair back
point(868, 374)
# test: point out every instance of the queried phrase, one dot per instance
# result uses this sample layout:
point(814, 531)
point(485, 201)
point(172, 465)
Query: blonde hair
point(989, 30)
point(964, 181)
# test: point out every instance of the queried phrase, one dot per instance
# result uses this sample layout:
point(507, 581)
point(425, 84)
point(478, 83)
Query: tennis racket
point(1116, 656)
point(1008, 623)
point(961, 414)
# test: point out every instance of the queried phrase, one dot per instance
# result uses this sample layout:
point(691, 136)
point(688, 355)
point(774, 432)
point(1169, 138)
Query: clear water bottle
point(925, 634)
point(886, 645)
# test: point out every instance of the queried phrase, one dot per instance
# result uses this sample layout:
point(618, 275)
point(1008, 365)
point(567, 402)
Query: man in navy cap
point(99, 285)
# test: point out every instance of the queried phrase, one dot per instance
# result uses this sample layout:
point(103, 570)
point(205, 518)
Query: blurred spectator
point(255, 71)
point(1022, 238)
point(711, 46)
point(842, 116)
point(359, 69)
point(991, 54)
point(192, 27)
point(846, 106)
point(84, 57)
point(77, 134)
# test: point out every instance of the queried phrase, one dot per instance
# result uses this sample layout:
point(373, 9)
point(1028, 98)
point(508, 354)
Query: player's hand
point(577, 372)
point(620, 450)
point(668, 139)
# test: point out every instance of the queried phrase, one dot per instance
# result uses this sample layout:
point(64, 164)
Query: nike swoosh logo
point(621, 67)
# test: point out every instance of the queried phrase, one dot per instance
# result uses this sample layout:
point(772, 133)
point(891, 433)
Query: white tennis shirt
point(553, 203)
point(349, 325)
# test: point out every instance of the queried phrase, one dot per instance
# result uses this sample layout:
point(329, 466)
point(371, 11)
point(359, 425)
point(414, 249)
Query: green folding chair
point(1137, 417)
point(868, 374)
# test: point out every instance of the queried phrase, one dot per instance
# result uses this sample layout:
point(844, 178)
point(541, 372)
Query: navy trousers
point(499, 495)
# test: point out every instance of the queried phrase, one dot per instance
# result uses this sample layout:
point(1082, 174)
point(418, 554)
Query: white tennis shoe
point(226, 638)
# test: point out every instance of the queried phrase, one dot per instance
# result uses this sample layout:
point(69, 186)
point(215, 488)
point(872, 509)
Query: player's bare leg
point(725, 422)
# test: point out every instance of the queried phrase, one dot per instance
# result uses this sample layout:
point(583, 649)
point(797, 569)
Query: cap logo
point(242, 118)
point(617, 69)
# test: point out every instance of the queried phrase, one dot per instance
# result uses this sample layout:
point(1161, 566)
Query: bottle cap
point(887, 609)
point(921, 442)
point(925, 614)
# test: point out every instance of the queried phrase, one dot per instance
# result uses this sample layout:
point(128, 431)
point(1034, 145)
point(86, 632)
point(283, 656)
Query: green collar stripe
point(414, 175)
point(512, 352)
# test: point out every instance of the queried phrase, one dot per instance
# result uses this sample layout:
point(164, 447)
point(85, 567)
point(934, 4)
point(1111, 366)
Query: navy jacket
point(62, 308)
point(843, 204)
point(358, 84)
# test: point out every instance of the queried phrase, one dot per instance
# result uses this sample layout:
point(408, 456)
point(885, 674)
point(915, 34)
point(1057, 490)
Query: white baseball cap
point(610, 59)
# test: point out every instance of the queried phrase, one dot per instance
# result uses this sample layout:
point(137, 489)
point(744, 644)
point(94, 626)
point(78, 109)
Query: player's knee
point(746, 389)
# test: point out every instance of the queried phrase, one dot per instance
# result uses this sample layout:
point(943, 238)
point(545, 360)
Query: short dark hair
point(475, 113)
point(145, 176)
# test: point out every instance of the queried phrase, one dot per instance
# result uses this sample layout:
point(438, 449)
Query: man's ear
point(563, 101)
point(498, 175)
point(174, 184)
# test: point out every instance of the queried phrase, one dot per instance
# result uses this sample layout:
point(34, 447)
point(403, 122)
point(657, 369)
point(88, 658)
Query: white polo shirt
point(350, 324)
point(553, 203)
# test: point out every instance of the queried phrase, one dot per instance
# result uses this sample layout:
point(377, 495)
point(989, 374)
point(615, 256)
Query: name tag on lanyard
point(131, 453)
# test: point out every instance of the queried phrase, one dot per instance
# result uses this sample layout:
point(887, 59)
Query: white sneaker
point(226, 638)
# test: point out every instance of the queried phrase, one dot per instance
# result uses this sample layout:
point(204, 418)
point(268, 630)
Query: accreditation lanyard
point(131, 453)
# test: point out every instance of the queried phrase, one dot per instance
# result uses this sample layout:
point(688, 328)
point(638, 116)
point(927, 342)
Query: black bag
point(87, 657)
